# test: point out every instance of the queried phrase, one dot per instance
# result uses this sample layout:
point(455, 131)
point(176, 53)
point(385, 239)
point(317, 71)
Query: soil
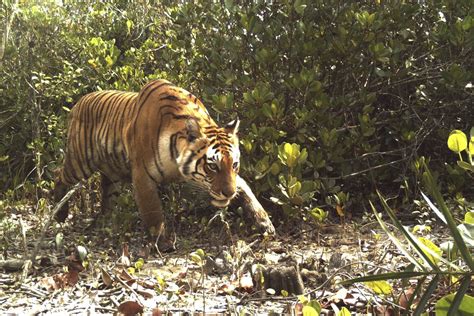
point(90, 266)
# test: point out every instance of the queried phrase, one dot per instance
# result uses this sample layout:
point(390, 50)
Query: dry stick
point(6, 33)
point(50, 218)
point(25, 263)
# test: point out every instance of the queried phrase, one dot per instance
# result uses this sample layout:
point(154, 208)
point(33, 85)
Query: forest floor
point(216, 269)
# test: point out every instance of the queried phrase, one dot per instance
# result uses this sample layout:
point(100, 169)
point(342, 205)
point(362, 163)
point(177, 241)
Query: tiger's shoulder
point(168, 97)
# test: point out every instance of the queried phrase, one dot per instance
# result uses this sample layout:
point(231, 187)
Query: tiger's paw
point(160, 241)
point(265, 226)
point(165, 245)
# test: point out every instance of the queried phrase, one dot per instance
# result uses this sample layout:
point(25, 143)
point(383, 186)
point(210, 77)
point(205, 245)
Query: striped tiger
point(160, 135)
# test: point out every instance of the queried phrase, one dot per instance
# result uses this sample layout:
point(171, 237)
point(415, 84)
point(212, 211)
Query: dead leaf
point(299, 309)
point(385, 310)
point(226, 289)
point(106, 278)
point(149, 284)
point(48, 283)
point(75, 266)
point(125, 258)
point(156, 312)
point(340, 295)
point(340, 210)
point(246, 282)
point(71, 278)
point(130, 308)
point(405, 297)
point(146, 293)
point(125, 276)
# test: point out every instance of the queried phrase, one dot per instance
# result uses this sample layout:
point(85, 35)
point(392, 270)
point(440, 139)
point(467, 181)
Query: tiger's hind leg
point(60, 189)
point(69, 174)
point(110, 192)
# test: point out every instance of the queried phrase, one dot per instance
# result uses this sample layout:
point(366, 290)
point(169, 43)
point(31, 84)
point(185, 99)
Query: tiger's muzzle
point(221, 200)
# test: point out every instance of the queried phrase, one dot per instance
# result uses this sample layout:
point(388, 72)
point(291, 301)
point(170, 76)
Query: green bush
point(355, 91)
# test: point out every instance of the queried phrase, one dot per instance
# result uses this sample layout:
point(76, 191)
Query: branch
point(8, 25)
point(50, 218)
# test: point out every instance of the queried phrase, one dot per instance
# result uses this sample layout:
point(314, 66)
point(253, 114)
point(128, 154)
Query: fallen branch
point(26, 263)
point(12, 264)
point(50, 218)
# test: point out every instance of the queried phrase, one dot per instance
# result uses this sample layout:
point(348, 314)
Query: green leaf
point(300, 6)
point(318, 214)
point(139, 264)
point(314, 306)
point(429, 244)
point(467, 233)
point(59, 241)
point(466, 305)
point(344, 312)
point(466, 165)
point(469, 218)
point(309, 311)
point(471, 143)
point(201, 253)
point(82, 251)
point(380, 287)
point(457, 141)
point(381, 73)
point(129, 26)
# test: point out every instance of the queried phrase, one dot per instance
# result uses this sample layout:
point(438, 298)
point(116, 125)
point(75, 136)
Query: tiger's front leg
point(149, 204)
point(252, 207)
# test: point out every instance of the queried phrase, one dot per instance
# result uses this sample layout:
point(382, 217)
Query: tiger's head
point(210, 158)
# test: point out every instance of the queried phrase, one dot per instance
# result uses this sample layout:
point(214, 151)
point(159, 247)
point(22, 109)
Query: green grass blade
point(465, 284)
point(432, 186)
point(426, 296)
point(395, 240)
point(417, 290)
point(402, 229)
point(434, 208)
point(434, 254)
point(386, 276)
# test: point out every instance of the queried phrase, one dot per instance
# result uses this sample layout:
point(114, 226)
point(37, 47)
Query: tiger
point(159, 135)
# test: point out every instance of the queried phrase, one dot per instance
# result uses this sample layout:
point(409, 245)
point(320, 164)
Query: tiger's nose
point(228, 192)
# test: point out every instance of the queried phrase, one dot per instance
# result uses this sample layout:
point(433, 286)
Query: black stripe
point(197, 173)
point(170, 106)
point(171, 98)
point(188, 162)
point(173, 149)
point(142, 99)
point(149, 174)
point(122, 123)
point(190, 158)
point(76, 144)
point(86, 124)
point(198, 161)
point(104, 130)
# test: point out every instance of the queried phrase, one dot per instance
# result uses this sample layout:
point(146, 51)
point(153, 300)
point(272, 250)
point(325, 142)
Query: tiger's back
point(96, 135)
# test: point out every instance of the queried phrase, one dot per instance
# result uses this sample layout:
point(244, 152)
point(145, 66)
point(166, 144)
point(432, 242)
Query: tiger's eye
point(235, 165)
point(212, 166)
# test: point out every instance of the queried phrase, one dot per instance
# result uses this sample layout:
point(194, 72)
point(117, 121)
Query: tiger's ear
point(233, 126)
point(192, 129)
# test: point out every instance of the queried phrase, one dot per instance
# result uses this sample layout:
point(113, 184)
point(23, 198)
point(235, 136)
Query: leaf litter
point(212, 271)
